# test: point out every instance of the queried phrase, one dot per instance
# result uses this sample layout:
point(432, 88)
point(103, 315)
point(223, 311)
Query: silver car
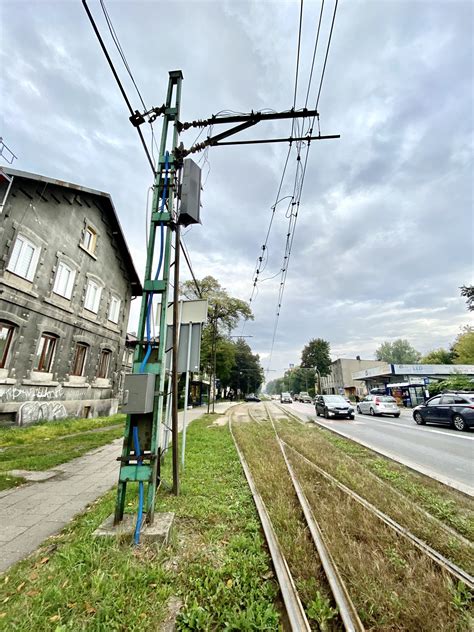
point(378, 405)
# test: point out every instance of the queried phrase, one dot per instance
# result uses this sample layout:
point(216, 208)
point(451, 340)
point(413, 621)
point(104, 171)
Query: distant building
point(340, 381)
point(408, 383)
point(66, 282)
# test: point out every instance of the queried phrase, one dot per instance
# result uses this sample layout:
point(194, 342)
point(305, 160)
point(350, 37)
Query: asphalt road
point(439, 452)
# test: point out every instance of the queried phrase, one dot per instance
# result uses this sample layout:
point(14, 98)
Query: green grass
point(49, 444)
point(217, 567)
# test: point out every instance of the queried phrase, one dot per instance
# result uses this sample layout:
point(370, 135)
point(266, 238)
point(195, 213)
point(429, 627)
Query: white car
point(378, 405)
point(285, 398)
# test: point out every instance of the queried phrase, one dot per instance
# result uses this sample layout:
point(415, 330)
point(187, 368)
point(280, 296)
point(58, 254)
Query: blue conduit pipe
point(138, 526)
point(158, 269)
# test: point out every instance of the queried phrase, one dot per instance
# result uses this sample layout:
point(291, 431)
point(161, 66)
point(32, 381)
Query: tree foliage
point(316, 354)
point(438, 356)
point(463, 347)
point(453, 383)
point(295, 380)
point(247, 373)
point(468, 292)
point(397, 352)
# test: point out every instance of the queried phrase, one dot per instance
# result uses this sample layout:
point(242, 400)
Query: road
point(437, 451)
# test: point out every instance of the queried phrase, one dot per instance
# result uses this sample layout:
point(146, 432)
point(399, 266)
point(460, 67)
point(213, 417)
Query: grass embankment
point(217, 572)
point(393, 585)
point(50, 443)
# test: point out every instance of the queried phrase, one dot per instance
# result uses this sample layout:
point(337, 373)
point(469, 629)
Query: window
point(79, 361)
point(24, 258)
point(447, 399)
point(435, 401)
point(6, 335)
point(64, 281)
point(92, 300)
point(114, 309)
point(104, 362)
point(89, 239)
point(44, 355)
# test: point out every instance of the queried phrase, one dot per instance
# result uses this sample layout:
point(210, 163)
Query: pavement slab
point(36, 510)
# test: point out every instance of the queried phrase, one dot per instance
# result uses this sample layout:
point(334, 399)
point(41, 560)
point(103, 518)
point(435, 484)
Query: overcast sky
point(384, 233)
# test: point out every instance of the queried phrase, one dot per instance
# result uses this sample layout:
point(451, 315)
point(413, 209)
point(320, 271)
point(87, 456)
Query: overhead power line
point(190, 267)
point(117, 79)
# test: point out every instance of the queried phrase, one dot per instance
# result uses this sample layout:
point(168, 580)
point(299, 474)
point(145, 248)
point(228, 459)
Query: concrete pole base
point(158, 533)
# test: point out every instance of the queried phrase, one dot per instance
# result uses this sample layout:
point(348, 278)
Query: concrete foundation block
point(158, 533)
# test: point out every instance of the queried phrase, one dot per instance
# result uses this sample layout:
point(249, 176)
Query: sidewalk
point(32, 512)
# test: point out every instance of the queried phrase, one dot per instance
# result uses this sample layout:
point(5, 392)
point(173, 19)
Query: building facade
point(66, 283)
point(340, 382)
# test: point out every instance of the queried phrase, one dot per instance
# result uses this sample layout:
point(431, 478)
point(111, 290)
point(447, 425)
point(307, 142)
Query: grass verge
point(261, 451)
point(394, 586)
point(217, 572)
point(46, 445)
point(348, 462)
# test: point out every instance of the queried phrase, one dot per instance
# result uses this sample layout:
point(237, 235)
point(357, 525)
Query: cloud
point(384, 232)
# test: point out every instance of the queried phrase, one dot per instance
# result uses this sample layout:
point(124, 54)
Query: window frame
point(45, 354)
point(117, 301)
point(94, 308)
point(15, 258)
point(8, 342)
point(91, 244)
point(69, 283)
point(104, 358)
point(431, 402)
point(83, 348)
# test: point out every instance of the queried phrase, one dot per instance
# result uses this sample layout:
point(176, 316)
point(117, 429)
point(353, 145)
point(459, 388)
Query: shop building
point(340, 381)
point(408, 383)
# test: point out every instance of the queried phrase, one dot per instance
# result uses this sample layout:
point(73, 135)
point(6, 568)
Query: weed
point(321, 611)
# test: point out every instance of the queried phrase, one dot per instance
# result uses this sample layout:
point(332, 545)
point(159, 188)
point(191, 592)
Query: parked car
point(450, 409)
point(379, 405)
point(336, 405)
point(304, 397)
point(285, 398)
point(251, 398)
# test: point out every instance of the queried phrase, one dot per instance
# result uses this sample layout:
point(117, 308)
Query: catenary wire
point(117, 79)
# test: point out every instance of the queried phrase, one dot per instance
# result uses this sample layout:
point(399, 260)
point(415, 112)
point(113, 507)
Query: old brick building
point(66, 282)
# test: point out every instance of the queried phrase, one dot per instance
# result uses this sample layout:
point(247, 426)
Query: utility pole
point(142, 445)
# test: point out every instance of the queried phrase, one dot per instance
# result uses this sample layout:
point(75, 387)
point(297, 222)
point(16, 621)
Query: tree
point(468, 292)
point(463, 347)
point(224, 313)
point(247, 373)
point(397, 352)
point(453, 383)
point(316, 354)
point(438, 356)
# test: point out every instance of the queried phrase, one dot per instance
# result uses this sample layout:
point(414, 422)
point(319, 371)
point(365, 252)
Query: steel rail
point(449, 566)
point(347, 610)
point(294, 608)
point(436, 521)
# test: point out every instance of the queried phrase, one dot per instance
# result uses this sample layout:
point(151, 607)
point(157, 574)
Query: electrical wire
point(117, 79)
point(327, 53)
point(190, 267)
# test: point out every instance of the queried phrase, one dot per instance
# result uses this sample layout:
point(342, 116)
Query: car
point(251, 398)
point(304, 397)
point(379, 405)
point(336, 405)
point(285, 398)
point(451, 409)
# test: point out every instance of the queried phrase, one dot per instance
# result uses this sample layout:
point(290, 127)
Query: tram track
point(348, 614)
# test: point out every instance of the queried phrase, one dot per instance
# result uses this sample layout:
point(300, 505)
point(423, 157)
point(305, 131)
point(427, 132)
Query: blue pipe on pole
point(136, 443)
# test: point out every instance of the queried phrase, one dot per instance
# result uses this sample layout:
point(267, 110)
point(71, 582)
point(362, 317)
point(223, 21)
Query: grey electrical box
point(139, 391)
point(190, 208)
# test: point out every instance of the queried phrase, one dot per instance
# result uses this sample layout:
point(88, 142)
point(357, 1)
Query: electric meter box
point(190, 208)
point(140, 388)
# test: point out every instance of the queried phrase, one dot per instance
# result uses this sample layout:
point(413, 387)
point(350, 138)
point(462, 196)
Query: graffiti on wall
point(35, 393)
point(31, 412)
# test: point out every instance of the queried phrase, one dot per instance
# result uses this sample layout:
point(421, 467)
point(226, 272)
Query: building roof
point(109, 206)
